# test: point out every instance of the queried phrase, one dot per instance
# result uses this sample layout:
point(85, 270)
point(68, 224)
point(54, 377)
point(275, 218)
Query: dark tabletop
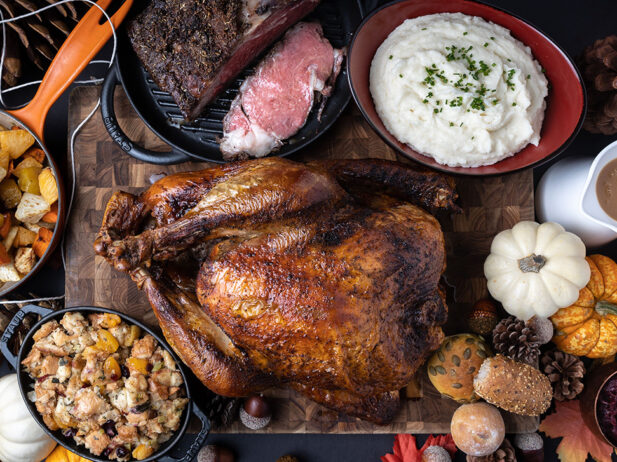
point(572, 24)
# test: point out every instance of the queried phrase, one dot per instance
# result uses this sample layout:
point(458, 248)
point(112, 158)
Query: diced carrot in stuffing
point(42, 241)
point(52, 215)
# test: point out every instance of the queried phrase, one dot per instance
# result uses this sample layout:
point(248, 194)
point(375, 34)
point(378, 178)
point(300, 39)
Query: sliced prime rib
point(194, 48)
point(274, 102)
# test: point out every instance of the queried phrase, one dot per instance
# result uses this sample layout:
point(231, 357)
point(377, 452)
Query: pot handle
point(9, 332)
point(111, 124)
point(199, 440)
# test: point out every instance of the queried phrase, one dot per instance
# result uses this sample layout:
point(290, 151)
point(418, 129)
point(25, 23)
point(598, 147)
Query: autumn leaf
point(578, 440)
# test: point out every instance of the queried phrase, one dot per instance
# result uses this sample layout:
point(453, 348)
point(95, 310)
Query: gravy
point(606, 189)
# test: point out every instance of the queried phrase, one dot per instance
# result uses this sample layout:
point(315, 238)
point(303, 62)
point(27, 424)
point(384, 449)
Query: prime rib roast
point(274, 102)
point(324, 277)
point(193, 49)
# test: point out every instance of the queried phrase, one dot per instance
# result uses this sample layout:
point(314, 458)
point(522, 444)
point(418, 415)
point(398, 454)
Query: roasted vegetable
point(10, 237)
point(4, 255)
point(25, 259)
point(52, 215)
point(8, 273)
point(28, 180)
point(15, 142)
point(31, 208)
point(24, 237)
point(48, 185)
point(37, 153)
point(43, 239)
point(28, 162)
point(10, 194)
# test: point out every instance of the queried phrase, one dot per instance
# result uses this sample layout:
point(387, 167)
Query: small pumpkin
point(61, 454)
point(21, 437)
point(589, 326)
point(535, 269)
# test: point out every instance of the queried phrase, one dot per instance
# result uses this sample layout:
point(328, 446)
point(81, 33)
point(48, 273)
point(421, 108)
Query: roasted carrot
point(52, 215)
point(4, 255)
point(37, 153)
point(42, 241)
point(6, 225)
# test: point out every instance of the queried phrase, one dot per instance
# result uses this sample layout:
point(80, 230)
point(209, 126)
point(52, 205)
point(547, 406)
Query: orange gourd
point(589, 326)
point(63, 455)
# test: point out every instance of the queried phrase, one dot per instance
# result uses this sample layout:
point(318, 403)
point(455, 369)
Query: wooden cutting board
point(489, 206)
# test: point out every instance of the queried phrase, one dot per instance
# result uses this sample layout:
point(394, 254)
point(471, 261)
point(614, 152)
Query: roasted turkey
point(324, 277)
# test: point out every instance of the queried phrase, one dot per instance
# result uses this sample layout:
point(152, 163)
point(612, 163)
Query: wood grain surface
point(489, 206)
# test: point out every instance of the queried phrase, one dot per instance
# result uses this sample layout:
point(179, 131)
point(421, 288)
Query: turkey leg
point(199, 342)
point(261, 192)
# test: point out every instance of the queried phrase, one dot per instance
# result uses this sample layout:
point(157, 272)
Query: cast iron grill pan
point(197, 140)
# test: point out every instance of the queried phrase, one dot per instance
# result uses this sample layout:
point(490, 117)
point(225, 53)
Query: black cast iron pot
point(26, 382)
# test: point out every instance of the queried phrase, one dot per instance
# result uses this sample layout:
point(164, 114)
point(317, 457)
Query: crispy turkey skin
point(322, 277)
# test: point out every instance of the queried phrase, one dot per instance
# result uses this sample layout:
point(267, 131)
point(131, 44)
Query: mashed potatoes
point(459, 89)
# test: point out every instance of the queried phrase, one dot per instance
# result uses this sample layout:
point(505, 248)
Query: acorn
point(213, 453)
point(530, 446)
point(483, 317)
point(436, 454)
point(255, 413)
point(543, 328)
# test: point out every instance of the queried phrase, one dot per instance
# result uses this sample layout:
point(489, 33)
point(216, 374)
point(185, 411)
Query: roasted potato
point(10, 194)
point(48, 186)
point(28, 180)
point(10, 237)
point(15, 142)
point(24, 237)
point(28, 162)
point(25, 259)
point(8, 273)
point(31, 208)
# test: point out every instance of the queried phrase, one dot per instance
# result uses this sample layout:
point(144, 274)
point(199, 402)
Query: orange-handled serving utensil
point(82, 44)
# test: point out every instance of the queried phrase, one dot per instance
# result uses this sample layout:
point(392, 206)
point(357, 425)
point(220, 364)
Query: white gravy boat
point(566, 194)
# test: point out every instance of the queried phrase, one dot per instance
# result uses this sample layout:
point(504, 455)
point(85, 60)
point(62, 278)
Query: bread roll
point(477, 429)
point(513, 386)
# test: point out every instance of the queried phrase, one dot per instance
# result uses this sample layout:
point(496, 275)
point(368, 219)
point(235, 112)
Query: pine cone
point(513, 338)
point(599, 67)
point(221, 410)
point(505, 453)
point(565, 371)
point(35, 39)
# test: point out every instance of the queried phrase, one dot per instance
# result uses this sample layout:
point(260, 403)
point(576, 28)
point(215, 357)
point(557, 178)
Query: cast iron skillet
point(25, 383)
point(197, 140)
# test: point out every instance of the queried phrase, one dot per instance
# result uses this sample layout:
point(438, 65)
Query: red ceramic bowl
point(565, 105)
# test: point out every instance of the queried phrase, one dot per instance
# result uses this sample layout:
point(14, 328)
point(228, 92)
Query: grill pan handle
point(10, 330)
point(111, 124)
point(199, 440)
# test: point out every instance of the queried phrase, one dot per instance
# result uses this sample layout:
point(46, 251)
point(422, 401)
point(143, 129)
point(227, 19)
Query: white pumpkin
point(534, 270)
point(21, 437)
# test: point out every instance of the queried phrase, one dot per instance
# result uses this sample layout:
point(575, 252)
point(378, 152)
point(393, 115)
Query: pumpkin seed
point(457, 385)
point(431, 370)
point(441, 357)
point(481, 354)
point(440, 370)
point(470, 340)
point(456, 360)
point(471, 370)
point(448, 345)
point(467, 353)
